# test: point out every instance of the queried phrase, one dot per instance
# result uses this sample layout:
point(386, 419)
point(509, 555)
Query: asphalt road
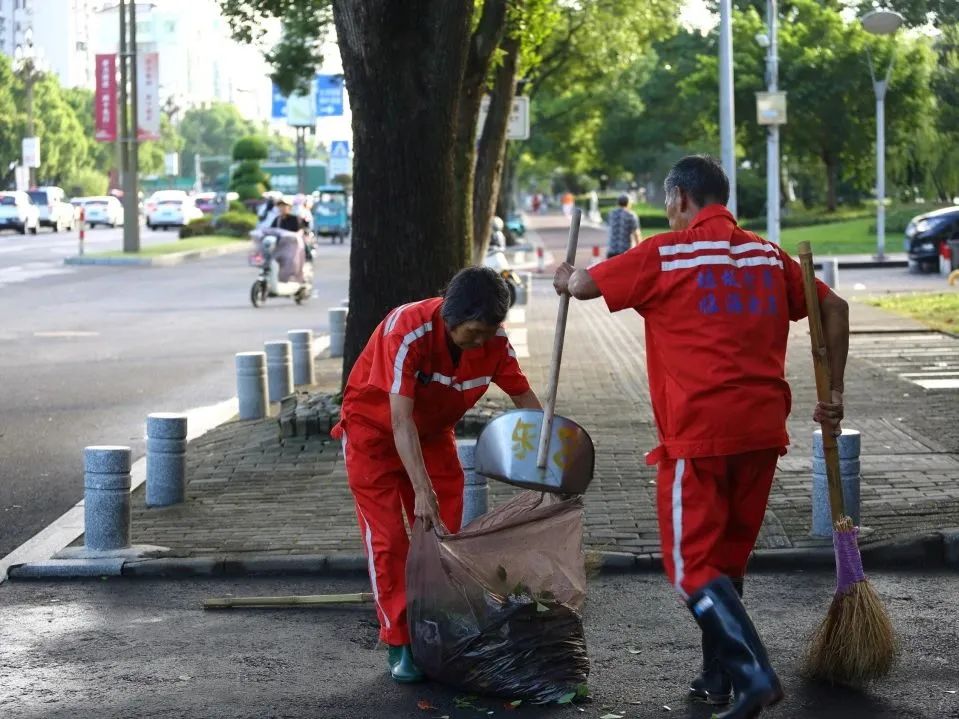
point(87, 352)
point(123, 648)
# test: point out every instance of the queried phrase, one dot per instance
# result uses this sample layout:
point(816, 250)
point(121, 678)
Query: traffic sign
point(518, 128)
point(340, 162)
point(329, 95)
point(339, 148)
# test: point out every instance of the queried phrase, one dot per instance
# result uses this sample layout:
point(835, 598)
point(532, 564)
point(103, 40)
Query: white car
point(152, 202)
point(106, 210)
point(55, 212)
point(17, 212)
point(173, 213)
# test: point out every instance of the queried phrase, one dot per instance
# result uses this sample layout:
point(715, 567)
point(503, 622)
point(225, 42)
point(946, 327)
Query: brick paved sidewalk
point(248, 494)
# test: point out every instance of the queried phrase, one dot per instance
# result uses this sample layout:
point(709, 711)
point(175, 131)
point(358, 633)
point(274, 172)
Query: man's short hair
point(702, 178)
point(623, 201)
point(475, 294)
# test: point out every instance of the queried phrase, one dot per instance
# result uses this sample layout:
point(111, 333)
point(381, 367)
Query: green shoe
point(402, 667)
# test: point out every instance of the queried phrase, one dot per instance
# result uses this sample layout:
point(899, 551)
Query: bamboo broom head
point(855, 643)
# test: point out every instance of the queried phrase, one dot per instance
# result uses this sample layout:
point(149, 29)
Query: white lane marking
point(66, 333)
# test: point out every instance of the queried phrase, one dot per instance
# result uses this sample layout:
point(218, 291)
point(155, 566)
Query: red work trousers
point(710, 512)
point(382, 491)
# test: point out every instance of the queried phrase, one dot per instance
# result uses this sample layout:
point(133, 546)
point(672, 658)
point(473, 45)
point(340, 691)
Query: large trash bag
point(497, 608)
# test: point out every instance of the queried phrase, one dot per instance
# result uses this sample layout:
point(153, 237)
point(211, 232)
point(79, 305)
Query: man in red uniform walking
point(426, 364)
point(717, 302)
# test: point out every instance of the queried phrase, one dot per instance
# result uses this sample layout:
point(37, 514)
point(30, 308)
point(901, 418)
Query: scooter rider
point(287, 220)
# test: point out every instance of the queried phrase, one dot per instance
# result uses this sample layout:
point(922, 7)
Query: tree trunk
point(832, 182)
point(484, 41)
point(492, 147)
point(404, 65)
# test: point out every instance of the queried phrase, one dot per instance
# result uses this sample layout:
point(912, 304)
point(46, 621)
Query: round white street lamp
point(881, 22)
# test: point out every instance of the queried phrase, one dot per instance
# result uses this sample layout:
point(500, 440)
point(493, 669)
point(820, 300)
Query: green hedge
point(235, 224)
point(196, 228)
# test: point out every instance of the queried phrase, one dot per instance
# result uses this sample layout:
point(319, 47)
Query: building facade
point(60, 31)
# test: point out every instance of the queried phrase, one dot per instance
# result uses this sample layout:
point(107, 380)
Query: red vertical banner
point(105, 101)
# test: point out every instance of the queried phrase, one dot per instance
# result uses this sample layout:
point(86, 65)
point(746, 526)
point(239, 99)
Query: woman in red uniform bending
point(426, 364)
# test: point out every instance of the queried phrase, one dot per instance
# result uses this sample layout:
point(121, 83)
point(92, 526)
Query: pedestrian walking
point(426, 364)
point(624, 231)
point(568, 202)
point(717, 302)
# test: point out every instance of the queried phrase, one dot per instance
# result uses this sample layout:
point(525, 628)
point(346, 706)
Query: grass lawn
point(838, 238)
point(191, 243)
point(939, 311)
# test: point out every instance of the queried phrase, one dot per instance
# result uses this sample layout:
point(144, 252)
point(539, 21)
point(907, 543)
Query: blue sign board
point(279, 104)
point(339, 148)
point(329, 95)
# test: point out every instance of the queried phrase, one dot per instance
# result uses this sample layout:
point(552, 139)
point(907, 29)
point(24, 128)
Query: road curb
point(934, 550)
point(174, 258)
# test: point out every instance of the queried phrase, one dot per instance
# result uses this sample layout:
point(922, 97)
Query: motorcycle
point(285, 263)
point(496, 260)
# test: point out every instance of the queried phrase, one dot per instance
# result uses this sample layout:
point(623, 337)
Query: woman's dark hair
point(702, 178)
point(475, 294)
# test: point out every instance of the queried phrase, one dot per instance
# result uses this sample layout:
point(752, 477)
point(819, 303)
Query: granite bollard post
point(475, 487)
point(106, 497)
point(166, 459)
point(830, 271)
point(251, 388)
point(279, 369)
point(301, 341)
point(850, 444)
point(337, 317)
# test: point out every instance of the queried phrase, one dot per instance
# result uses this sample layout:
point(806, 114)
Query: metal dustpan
point(537, 449)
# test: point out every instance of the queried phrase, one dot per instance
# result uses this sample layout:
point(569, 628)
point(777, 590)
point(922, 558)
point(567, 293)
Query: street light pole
point(727, 121)
point(131, 203)
point(773, 204)
point(26, 58)
point(881, 22)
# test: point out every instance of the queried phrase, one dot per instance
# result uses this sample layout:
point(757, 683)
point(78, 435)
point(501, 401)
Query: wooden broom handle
point(549, 408)
point(820, 359)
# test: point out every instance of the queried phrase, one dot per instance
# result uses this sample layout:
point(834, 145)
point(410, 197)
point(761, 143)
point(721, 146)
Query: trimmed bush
point(235, 224)
point(237, 206)
point(197, 227)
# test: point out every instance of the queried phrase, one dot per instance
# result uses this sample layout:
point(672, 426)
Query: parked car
point(55, 212)
point(106, 210)
point(151, 203)
point(173, 213)
point(926, 234)
point(17, 212)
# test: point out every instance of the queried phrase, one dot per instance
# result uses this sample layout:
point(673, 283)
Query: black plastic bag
point(497, 608)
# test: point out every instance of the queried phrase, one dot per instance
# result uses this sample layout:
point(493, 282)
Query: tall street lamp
point(727, 119)
point(881, 22)
point(28, 67)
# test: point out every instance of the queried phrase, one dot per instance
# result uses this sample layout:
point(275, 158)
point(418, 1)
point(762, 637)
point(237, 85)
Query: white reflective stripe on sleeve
point(693, 247)
point(371, 566)
point(509, 345)
point(461, 386)
point(393, 318)
point(719, 260)
point(678, 567)
point(401, 353)
point(750, 247)
point(510, 351)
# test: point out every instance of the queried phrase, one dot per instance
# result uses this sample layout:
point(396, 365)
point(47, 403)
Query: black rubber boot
point(713, 685)
point(721, 615)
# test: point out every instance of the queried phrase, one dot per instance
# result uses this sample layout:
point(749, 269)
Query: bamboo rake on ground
point(305, 600)
point(855, 643)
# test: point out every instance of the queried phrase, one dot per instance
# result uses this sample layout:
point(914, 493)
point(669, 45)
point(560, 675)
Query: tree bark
point(483, 43)
point(492, 147)
point(832, 181)
point(404, 65)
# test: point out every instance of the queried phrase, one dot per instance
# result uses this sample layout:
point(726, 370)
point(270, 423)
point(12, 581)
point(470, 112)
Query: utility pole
point(122, 132)
point(727, 119)
point(131, 203)
point(773, 203)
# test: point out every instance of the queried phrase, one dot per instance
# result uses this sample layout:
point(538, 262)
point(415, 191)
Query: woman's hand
point(427, 509)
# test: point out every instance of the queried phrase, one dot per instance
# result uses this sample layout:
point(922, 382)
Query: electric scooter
point(277, 254)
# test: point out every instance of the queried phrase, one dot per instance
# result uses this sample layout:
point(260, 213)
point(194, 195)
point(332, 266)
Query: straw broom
point(855, 643)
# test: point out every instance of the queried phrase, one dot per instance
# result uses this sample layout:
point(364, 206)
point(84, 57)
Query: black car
point(926, 234)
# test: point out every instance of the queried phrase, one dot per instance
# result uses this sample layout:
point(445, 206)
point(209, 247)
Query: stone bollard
point(106, 498)
point(251, 384)
point(304, 373)
point(475, 488)
point(166, 459)
point(279, 369)
point(337, 330)
point(830, 272)
point(527, 278)
point(849, 470)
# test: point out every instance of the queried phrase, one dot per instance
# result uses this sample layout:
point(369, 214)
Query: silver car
point(17, 212)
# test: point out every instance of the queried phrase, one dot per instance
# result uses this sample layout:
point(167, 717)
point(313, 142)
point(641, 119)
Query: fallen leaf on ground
point(510, 706)
point(634, 650)
point(425, 705)
point(566, 698)
point(611, 716)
